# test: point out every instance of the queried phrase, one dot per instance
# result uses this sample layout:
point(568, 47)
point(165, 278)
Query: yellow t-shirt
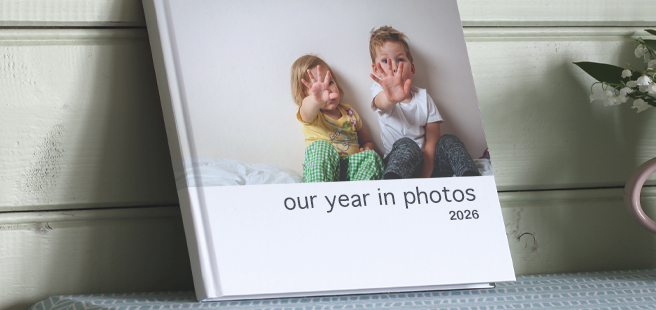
point(341, 133)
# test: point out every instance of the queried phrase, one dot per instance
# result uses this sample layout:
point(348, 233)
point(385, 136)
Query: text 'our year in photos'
point(381, 198)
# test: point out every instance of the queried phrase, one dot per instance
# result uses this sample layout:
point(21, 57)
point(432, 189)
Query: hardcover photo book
point(326, 147)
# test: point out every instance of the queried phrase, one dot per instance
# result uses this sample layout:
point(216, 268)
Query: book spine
point(180, 139)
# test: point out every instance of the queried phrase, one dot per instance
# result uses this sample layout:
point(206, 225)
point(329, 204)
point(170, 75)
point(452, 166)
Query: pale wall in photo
point(235, 59)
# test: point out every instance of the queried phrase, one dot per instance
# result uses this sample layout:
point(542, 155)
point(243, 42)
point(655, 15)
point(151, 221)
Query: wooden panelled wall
point(87, 195)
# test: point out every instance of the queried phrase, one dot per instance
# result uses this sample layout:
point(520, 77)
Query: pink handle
point(632, 194)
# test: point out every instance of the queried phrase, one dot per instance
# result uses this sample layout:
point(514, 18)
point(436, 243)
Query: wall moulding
point(477, 13)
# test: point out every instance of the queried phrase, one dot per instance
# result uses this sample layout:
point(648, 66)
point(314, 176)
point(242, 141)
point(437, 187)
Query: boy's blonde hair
point(299, 71)
point(384, 34)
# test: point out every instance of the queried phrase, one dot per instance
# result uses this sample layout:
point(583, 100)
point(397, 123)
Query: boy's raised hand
point(319, 90)
point(394, 87)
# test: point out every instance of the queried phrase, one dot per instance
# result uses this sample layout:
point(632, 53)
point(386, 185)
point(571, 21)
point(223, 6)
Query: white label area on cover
point(275, 239)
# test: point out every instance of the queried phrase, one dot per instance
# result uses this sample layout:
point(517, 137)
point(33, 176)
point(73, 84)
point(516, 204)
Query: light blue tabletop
point(633, 289)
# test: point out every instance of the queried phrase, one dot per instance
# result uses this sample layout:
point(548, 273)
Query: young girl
point(338, 147)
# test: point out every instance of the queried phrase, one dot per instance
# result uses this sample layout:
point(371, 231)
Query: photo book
point(326, 147)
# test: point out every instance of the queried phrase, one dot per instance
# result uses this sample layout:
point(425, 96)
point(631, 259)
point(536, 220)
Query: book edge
point(163, 60)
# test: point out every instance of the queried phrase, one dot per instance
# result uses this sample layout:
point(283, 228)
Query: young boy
point(409, 120)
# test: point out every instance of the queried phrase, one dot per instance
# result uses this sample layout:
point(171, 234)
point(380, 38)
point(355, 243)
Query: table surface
point(630, 289)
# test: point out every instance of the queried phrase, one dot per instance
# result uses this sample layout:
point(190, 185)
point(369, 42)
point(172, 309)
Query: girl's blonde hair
point(299, 71)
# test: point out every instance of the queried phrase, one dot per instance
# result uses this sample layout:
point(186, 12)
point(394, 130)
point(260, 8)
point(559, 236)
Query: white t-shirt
point(406, 119)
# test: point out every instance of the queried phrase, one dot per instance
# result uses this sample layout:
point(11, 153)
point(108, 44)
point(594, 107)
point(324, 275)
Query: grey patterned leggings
point(451, 158)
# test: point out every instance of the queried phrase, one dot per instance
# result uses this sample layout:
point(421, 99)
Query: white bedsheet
point(226, 172)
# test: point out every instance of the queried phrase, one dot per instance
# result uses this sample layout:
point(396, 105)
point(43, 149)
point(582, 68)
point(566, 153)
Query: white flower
point(626, 73)
point(640, 51)
point(631, 83)
point(606, 97)
point(594, 97)
point(640, 104)
point(620, 99)
point(651, 89)
point(652, 64)
point(624, 91)
point(644, 81)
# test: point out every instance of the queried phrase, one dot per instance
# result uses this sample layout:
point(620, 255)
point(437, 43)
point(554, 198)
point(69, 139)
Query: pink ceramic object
point(632, 194)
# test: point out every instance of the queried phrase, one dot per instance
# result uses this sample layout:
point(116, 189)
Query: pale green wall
point(87, 196)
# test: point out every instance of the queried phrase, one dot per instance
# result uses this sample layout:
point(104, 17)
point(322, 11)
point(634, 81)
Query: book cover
point(243, 145)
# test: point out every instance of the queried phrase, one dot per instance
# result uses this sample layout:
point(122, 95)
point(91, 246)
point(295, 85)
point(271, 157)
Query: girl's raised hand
point(319, 90)
point(394, 87)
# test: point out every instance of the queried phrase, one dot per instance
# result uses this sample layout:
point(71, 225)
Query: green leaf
point(650, 101)
point(605, 73)
point(651, 31)
point(651, 44)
